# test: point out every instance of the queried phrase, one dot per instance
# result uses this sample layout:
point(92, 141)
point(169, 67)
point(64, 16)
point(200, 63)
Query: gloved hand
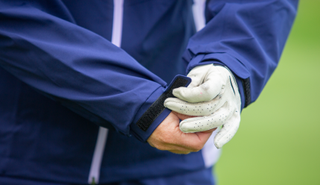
point(213, 97)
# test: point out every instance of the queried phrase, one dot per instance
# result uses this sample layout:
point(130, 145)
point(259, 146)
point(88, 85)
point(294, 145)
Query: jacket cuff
point(153, 112)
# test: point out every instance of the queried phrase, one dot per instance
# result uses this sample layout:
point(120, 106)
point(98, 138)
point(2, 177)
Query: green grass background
point(278, 141)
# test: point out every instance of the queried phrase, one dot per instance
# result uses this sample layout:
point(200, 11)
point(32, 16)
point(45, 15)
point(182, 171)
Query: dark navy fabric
point(203, 177)
point(61, 78)
point(200, 177)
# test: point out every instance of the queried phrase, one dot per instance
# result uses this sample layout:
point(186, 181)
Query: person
point(84, 86)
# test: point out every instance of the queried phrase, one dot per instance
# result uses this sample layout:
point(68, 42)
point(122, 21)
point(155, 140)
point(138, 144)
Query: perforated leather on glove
point(213, 98)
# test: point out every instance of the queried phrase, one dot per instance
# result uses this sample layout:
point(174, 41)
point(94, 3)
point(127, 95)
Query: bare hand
point(168, 136)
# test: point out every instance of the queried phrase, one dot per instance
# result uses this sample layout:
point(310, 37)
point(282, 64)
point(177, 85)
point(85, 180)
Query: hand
point(213, 96)
point(168, 136)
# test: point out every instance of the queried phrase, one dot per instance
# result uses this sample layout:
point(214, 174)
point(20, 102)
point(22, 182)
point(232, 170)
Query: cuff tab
point(157, 107)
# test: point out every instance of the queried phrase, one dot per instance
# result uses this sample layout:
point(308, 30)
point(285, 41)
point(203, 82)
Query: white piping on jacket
point(117, 22)
point(198, 13)
point(210, 153)
point(94, 174)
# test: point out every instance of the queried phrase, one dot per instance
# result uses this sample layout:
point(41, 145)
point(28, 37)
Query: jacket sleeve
point(247, 36)
point(77, 67)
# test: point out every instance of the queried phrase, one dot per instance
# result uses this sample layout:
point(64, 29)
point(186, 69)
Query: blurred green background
point(278, 141)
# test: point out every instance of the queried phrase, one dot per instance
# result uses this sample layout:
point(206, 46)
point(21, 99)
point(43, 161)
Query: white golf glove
point(213, 97)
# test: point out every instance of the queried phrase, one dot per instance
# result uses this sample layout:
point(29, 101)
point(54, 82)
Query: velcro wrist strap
point(157, 107)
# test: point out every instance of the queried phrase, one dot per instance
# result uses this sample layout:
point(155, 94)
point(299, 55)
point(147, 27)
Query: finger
point(190, 142)
point(210, 88)
point(175, 148)
point(168, 136)
point(204, 92)
point(228, 130)
point(193, 109)
point(182, 116)
point(179, 152)
point(209, 131)
point(194, 141)
point(199, 124)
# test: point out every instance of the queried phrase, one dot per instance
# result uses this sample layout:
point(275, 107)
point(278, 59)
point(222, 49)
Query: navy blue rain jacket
point(61, 77)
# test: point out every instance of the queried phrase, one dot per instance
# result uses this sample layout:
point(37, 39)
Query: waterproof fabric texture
point(61, 78)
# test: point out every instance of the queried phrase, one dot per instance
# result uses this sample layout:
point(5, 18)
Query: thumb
point(206, 91)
